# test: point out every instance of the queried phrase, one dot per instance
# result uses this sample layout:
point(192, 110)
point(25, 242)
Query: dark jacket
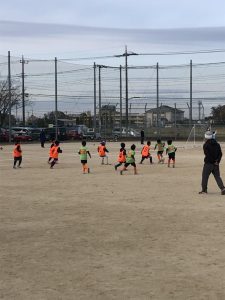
point(212, 151)
point(42, 136)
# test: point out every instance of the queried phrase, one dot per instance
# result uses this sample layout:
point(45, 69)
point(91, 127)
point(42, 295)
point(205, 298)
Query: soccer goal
point(196, 135)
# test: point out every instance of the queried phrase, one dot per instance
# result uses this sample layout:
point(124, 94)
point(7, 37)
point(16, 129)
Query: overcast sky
point(88, 28)
point(102, 27)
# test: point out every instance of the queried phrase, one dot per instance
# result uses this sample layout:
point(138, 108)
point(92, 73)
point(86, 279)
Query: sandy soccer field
point(65, 235)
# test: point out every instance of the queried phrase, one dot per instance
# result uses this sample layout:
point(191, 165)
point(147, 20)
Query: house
point(167, 115)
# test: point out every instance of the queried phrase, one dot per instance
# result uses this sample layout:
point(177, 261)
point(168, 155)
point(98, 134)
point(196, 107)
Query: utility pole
point(145, 125)
point(157, 96)
point(203, 112)
point(56, 101)
point(95, 99)
point(199, 110)
point(126, 90)
point(22, 61)
point(121, 111)
point(99, 99)
point(126, 54)
point(190, 109)
point(10, 100)
point(175, 120)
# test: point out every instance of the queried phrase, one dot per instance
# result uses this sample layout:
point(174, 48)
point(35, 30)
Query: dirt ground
point(65, 235)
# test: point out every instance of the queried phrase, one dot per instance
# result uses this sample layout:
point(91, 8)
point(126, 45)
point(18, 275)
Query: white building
point(167, 115)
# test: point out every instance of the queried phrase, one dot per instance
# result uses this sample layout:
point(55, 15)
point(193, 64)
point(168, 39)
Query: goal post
point(196, 134)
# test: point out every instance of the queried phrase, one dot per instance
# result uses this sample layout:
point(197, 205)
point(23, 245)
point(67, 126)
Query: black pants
point(118, 165)
point(146, 157)
point(142, 140)
point(17, 159)
point(54, 162)
point(207, 170)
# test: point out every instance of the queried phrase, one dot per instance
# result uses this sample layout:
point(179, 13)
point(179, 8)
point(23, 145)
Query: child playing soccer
point(130, 160)
point(102, 152)
point(170, 150)
point(145, 152)
point(55, 153)
point(160, 149)
point(17, 154)
point(51, 150)
point(122, 156)
point(83, 157)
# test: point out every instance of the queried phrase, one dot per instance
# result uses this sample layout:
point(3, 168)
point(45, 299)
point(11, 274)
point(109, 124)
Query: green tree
point(218, 113)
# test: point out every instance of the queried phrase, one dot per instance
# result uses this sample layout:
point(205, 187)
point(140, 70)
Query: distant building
point(67, 122)
point(110, 118)
point(167, 115)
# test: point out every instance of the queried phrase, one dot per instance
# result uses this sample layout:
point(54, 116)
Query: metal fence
point(66, 86)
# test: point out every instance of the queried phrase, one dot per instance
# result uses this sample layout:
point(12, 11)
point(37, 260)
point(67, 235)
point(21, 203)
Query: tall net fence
point(163, 100)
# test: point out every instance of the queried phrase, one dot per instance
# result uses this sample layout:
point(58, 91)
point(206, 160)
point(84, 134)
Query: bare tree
point(16, 99)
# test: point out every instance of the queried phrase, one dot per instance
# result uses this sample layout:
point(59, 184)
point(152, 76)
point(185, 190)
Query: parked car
point(91, 135)
point(73, 134)
point(131, 133)
point(4, 135)
point(22, 137)
point(35, 133)
point(62, 133)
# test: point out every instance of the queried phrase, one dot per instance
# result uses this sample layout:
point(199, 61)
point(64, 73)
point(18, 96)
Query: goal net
point(196, 135)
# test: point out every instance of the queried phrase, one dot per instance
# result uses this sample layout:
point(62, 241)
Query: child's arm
point(89, 154)
point(59, 150)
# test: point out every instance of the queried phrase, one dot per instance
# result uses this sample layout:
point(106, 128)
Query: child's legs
point(142, 159)
point(118, 165)
point(15, 161)
point(160, 155)
point(84, 165)
point(171, 156)
point(54, 162)
point(135, 168)
point(19, 160)
point(125, 166)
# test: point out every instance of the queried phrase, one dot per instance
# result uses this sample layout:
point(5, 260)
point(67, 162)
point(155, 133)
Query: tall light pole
point(126, 54)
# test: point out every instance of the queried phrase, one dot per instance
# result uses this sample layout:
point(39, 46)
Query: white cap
point(208, 135)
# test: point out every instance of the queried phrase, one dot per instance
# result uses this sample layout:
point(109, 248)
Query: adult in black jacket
point(213, 155)
point(142, 136)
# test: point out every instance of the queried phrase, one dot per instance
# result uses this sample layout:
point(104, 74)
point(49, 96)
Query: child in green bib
point(130, 160)
point(84, 152)
point(170, 150)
